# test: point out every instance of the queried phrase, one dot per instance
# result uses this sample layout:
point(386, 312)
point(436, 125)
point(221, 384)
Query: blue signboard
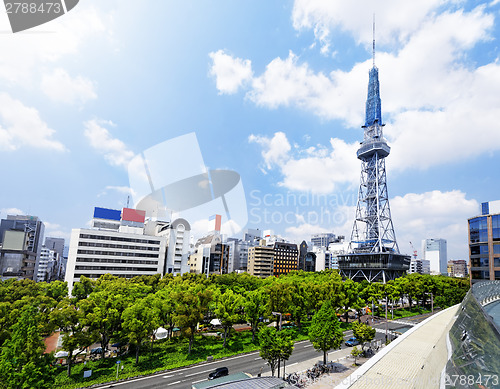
point(109, 214)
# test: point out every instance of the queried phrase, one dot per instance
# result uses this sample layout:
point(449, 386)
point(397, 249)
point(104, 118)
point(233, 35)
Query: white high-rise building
point(123, 244)
point(434, 251)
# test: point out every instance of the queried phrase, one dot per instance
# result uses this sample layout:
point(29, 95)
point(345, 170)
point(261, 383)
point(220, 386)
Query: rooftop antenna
point(373, 40)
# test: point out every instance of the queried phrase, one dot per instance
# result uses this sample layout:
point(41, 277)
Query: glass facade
point(484, 245)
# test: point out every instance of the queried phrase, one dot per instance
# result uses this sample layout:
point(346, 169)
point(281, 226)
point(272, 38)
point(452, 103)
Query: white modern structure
point(123, 244)
point(48, 266)
point(420, 266)
point(434, 251)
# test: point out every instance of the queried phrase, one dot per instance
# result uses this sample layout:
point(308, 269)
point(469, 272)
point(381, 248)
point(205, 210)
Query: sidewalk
point(333, 356)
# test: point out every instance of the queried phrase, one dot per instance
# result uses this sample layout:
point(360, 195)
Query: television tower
point(373, 250)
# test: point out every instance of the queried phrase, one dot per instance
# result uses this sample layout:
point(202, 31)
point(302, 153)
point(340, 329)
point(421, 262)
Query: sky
point(273, 90)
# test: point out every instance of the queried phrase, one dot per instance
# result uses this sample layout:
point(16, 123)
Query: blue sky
point(274, 91)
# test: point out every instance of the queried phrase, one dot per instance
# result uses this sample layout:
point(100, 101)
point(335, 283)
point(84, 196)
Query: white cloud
point(303, 232)
point(10, 211)
point(54, 230)
point(433, 214)
point(30, 52)
point(230, 73)
point(274, 150)
point(432, 96)
point(355, 18)
point(61, 87)
point(122, 190)
point(113, 149)
point(314, 169)
point(22, 126)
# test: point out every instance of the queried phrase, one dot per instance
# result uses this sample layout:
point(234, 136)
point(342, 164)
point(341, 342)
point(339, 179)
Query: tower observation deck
point(373, 251)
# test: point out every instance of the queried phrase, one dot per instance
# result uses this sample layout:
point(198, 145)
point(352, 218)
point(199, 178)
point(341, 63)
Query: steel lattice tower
point(373, 250)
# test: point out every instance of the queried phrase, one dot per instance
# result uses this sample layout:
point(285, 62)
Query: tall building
point(286, 258)
point(57, 245)
point(484, 243)
point(49, 265)
point(434, 251)
point(124, 244)
point(302, 256)
point(323, 239)
point(261, 260)
point(211, 256)
point(420, 266)
point(457, 268)
point(373, 253)
point(21, 240)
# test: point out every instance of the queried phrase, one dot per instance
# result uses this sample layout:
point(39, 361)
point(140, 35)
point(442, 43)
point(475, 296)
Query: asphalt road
point(250, 363)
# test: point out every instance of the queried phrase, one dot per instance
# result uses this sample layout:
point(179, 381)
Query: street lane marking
point(291, 364)
point(167, 376)
point(200, 372)
point(195, 382)
point(173, 383)
point(308, 345)
point(256, 358)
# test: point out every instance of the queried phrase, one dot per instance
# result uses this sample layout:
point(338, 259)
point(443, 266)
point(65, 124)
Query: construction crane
point(414, 251)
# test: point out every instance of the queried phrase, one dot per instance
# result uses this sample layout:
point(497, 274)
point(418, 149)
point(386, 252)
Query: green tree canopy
point(325, 332)
point(22, 362)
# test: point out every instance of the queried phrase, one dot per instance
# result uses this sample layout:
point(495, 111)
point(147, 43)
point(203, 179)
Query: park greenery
point(127, 313)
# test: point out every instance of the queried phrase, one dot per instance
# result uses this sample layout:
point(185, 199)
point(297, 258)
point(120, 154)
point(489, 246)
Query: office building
point(434, 251)
point(323, 239)
point(484, 243)
point(49, 265)
point(261, 260)
point(124, 244)
point(286, 258)
point(420, 266)
point(457, 268)
point(302, 256)
point(21, 240)
point(211, 256)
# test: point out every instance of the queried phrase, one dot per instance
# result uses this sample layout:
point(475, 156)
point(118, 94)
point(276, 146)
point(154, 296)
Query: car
point(97, 350)
point(352, 342)
point(219, 372)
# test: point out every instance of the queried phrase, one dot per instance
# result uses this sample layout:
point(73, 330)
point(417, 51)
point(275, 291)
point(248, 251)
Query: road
point(250, 363)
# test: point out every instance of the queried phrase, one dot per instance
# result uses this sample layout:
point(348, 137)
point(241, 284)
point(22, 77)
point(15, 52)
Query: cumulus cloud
point(315, 169)
point(57, 231)
point(10, 211)
point(432, 96)
point(115, 152)
point(22, 126)
point(29, 53)
point(230, 73)
point(61, 87)
point(436, 214)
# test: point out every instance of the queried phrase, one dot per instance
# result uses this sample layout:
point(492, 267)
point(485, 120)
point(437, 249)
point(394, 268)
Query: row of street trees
point(118, 310)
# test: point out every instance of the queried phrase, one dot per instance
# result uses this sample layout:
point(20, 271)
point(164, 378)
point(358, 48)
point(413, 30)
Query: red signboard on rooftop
point(133, 215)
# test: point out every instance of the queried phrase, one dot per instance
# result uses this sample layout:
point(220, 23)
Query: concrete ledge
point(405, 361)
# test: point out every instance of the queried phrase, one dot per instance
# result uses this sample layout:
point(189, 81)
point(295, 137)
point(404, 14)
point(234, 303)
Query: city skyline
point(273, 91)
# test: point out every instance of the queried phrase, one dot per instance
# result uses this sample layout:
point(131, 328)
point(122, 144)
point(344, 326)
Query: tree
point(275, 346)
point(227, 306)
point(74, 335)
point(363, 333)
point(350, 298)
point(165, 304)
point(140, 321)
point(22, 362)
point(325, 333)
point(191, 307)
point(355, 353)
point(255, 307)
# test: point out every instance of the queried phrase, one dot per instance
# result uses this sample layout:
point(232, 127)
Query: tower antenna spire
point(373, 47)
